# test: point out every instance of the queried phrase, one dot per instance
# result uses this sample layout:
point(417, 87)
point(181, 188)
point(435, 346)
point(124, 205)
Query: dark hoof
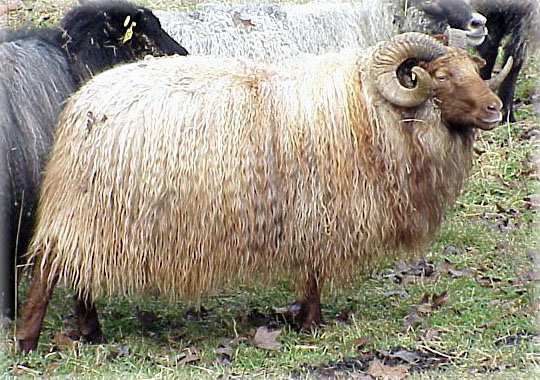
point(310, 325)
point(27, 345)
point(309, 320)
point(93, 336)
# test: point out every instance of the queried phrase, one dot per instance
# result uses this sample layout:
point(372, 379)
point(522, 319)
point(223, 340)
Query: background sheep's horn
point(456, 37)
point(389, 55)
point(496, 81)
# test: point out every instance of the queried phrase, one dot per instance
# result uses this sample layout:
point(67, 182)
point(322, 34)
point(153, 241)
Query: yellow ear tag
point(413, 76)
point(129, 32)
point(126, 22)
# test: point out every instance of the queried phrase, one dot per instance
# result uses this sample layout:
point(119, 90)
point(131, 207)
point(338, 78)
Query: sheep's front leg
point(87, 320)
point(31, 318)
point(310, 309)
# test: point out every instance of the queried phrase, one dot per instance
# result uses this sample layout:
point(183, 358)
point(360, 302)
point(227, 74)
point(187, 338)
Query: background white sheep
point(271, 30)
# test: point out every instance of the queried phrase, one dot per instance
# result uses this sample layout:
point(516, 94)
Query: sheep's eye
point(440, 77)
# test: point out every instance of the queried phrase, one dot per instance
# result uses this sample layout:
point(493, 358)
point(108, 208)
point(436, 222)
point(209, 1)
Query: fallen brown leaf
point(488, 282)
point(386, 372)
point(224, 349)
point(186, 359)
point(121, 351)
point(224, 360)
point(450, 249)
point(438, 300)
point(359, 376)
point(413, 320)
point(454, 272)
point(363, 341)
point(424, 306)
point(62, 340)
point(406, 355)
point(431, 334)
point(266, 339)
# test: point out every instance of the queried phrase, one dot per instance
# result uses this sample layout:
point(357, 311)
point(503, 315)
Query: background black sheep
point(515, 22)
point(40, 68)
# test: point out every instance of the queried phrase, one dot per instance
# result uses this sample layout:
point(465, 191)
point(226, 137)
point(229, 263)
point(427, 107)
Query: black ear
point(432, 8)
point(139, 15)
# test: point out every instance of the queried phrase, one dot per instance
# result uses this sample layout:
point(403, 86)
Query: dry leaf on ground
point(188, 359)
point(380, 370)
point(266, 339)
point(63, 340)
point(363, 341)
point(413, 320)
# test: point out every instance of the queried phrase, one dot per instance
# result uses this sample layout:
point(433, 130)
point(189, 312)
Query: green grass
point(486, 329)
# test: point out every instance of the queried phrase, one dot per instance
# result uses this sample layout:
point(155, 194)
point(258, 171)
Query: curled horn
point(391, 54)
point(496, 81)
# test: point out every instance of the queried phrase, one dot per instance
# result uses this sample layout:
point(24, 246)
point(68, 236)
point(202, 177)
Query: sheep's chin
point(475, 41)
point(483, 124)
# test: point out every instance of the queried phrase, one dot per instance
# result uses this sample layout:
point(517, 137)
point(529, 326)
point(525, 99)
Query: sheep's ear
point(139, 14)
point(480, 62)
point(432, 8)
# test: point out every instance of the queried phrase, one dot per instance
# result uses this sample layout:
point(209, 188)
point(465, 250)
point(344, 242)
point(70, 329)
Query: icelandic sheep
point(40, 68)
point(178, 174)
point(272, 31)
point(518, 23)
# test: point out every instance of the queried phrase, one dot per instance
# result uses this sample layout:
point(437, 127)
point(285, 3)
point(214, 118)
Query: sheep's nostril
point(478, 21)
point(494, 107)
point(476, 24)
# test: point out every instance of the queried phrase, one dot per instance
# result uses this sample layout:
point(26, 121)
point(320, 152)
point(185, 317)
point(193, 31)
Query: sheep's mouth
point(488, 123)
point(476, 37)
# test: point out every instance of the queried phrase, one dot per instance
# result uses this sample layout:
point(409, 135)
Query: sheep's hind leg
point(31, 318)
point(87, 320)
point(310, 310)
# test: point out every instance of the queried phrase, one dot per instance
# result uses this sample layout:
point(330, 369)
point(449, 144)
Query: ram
point(40, 68)
point(179, 174)
point(282, 30)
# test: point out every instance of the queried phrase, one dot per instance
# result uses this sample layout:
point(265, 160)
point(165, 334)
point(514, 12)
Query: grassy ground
point(466, 309)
